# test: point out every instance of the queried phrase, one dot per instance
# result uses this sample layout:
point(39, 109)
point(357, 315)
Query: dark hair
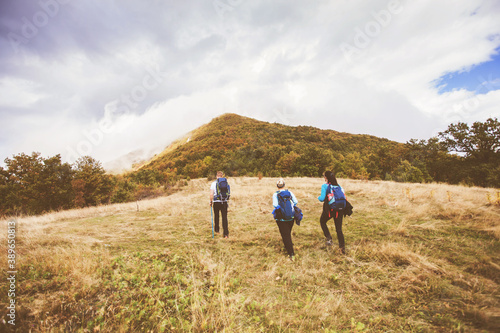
point(330, 176)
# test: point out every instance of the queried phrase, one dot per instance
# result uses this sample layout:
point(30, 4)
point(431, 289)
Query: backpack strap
point(217, 191)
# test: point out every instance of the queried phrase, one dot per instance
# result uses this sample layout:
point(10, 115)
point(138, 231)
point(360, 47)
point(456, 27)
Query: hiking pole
point(212, 214)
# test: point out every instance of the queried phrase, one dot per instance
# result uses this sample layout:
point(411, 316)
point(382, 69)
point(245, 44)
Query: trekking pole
point(212, 214)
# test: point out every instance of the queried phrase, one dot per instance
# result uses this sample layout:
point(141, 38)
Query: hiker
point(284, 202)
point(334, 202)
point(219, 196)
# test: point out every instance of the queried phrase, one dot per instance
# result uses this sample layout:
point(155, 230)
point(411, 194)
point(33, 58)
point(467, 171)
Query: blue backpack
point(286, 205)
point(336, 198)
point(223, 190)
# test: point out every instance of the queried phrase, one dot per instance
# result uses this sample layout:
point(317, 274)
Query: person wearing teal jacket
point(327, 214)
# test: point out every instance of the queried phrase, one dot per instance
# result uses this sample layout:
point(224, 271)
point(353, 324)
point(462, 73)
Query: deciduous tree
point(481, 140)
point(91, 181)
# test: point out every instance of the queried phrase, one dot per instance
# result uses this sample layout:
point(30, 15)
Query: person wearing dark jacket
point(327, 214)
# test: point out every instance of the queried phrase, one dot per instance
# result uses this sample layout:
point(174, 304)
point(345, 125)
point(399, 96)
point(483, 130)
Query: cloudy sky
point(107, 77)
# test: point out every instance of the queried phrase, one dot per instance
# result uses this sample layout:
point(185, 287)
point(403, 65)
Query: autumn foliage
point(241, 146)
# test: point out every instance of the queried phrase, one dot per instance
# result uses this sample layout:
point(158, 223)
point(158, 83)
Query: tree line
point(32, 184)
point(463, 154)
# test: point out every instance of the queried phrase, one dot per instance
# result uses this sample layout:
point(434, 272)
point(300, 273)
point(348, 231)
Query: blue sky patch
point(481, 78)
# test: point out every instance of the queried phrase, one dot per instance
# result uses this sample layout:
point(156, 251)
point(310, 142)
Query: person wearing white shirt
point(219, 206)
point(285, 226)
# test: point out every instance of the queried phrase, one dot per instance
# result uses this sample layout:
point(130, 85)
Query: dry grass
point(420, 258)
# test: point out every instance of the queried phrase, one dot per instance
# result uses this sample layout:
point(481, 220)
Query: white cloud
point(19, 93)
point(153, 129)
point(276, 61)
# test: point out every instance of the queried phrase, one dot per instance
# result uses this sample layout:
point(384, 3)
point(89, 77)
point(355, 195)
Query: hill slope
point(420, 258)
point(244, 146)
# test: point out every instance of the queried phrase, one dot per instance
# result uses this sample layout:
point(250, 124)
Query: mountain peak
point(240, 145)
point(233, 119)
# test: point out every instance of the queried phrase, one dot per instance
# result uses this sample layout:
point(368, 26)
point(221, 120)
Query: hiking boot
point(329, 242)
point(226, 236)
point(342, 250)
point(292, 258)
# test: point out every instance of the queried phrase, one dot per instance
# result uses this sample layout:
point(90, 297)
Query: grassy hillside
point(244, 146)
point(420, 258)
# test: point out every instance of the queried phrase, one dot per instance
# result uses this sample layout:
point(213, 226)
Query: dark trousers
point(338, 225)
point(222, 208)
point(286, 234)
